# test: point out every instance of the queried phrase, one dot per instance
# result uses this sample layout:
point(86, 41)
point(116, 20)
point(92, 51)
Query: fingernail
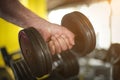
point(63, 36)
point(73, 42)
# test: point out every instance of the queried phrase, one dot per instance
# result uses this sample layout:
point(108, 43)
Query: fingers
point(69, 36)
point(56, 44)
point(62, 43)
point(60, 39)
point(66, 41)
point(51, 47)
point(59, 44)
point(71, 39)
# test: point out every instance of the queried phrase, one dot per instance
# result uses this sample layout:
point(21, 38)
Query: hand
point(58, 37)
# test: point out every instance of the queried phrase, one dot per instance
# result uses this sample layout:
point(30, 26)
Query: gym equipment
point(116, 71)
point(8, 56)
point(21, 70)
point(79, 24)
point(4, 74)
point(37, 59)
point(113, 55)
point(114, 58)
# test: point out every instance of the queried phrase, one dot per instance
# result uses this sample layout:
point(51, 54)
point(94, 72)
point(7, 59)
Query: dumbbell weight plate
point(21, 71)
point(80, 25)
point(69, 65)
point(116, 71)
point(113, 55)
point(35, 52)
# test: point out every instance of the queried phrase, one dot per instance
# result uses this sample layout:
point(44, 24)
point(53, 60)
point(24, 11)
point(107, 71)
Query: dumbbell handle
point(57, 61)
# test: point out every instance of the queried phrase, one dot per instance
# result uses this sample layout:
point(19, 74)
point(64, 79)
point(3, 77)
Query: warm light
point(55, 16)
point(115, 21)
point(99, 15)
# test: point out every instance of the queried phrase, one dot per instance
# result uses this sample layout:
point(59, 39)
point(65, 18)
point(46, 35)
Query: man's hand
point(58, 37)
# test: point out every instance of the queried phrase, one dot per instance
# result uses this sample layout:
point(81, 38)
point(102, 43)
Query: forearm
point(14, 12)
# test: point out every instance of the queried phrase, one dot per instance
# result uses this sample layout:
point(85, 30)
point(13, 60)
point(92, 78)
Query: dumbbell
point(37, 57)
point(68, 68)
point(113, 56)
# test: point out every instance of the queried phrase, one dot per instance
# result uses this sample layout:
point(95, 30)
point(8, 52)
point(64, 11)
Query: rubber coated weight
point(113, 54)
point(80, 25)
point(113, 57)
point(69, 66)
point(35, 52)
point(47, 55)
point(116, 71)
point(21, 70)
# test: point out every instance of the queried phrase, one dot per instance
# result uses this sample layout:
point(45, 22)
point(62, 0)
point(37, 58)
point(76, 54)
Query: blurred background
point(103, 14)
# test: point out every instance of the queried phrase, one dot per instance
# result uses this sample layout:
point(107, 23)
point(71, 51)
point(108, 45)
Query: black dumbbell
point(38, 58)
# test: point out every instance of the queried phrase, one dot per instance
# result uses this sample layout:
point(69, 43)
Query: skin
point(58, 37)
